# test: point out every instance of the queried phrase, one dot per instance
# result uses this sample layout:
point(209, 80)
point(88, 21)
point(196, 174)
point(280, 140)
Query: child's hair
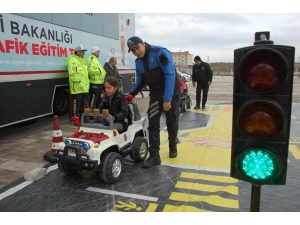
point(113, 81)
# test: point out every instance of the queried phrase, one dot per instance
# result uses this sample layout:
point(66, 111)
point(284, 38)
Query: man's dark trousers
point(201, 86)
point(154, 114)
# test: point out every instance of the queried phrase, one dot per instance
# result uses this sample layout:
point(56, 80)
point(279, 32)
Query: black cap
point(197, 58)
point(133, 42)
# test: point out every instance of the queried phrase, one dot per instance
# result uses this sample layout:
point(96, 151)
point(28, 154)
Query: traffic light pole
point(255, 198)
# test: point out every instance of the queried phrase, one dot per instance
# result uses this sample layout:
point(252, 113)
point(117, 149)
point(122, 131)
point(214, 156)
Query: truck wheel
point(140, 149)
point(61, 102)
point(112, 168)
point(63, 168)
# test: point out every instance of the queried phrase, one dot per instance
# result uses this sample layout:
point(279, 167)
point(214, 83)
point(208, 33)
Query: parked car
point(102, 148)
point(188, 73)
point(146, 88)
point(185, 76)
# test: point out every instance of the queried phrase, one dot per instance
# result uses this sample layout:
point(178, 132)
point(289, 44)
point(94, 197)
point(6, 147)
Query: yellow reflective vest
point(96, 71)
point(78, 75)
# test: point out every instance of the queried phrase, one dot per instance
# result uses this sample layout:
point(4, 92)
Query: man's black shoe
point(203, 107)
point(151, 161)
point(197, 107)
point(173, 153)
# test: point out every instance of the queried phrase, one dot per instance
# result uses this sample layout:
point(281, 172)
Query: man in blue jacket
point(155, 68)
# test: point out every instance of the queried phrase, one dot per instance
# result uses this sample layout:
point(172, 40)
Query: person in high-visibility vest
point(97, 75)
point(79, 82)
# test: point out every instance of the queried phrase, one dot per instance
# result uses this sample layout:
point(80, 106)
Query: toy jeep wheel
point(183, 106)
point(112, 168)
point(189, 103)
point(139, 150)
point(63, 168)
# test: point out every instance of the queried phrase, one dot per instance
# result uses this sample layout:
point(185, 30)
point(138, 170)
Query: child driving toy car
point(116, 103)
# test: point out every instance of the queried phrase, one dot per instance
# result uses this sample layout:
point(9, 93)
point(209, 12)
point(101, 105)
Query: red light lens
point(263, 71)
point(261, 119)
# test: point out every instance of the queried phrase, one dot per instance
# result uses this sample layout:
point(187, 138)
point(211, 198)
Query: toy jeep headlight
point(85, 146)
point(68, 142)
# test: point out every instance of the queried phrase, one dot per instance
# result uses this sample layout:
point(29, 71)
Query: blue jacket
point(156, 69)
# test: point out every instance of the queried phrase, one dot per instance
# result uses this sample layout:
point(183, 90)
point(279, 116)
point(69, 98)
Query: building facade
point(182, 58)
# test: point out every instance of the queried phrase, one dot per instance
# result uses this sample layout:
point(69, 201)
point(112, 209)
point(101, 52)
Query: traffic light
point(262, 102)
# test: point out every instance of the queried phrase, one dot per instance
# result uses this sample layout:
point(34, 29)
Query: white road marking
point(104, 191)
point(295, 118)
point(23, 185)
point(50, 168)
point(14, 189)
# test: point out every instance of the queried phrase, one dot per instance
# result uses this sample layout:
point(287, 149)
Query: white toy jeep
point(102, 148)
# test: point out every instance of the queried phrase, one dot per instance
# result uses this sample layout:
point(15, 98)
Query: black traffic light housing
point(262, 102)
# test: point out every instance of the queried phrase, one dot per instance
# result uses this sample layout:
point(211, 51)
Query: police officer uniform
point(156, 69)
point(202, 74)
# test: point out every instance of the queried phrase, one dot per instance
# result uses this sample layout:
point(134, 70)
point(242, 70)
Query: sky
point(211, 29)
point(215, 36)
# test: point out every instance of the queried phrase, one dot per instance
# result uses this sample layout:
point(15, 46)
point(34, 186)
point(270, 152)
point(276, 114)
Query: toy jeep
point(185, 101)
point(102, 148)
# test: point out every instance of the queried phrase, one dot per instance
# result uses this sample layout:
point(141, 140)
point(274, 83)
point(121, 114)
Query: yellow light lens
point(261, 119)
point(104, 111)
point(95, 111)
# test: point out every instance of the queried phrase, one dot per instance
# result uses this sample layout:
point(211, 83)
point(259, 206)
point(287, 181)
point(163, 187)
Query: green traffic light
point(259, 164)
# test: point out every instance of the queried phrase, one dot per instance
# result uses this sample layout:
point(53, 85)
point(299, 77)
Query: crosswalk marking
point(225, 179)
point(152, 207)
point(208, 188)
point(210, 199)
point(295, 151)
point(182, 208)
point(215, 200)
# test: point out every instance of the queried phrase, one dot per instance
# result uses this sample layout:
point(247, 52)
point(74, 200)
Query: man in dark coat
point(202, 77)
point(111, 69)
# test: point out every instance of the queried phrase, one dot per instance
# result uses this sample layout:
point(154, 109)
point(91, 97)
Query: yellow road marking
point(202, 148)
point(224, 179)
point(152, 207)
point(182, 208)
point(295, 151)
point(209, 188)
point(210, 199)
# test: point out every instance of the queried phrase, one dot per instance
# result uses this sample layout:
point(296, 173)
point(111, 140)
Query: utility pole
point(207, 59)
